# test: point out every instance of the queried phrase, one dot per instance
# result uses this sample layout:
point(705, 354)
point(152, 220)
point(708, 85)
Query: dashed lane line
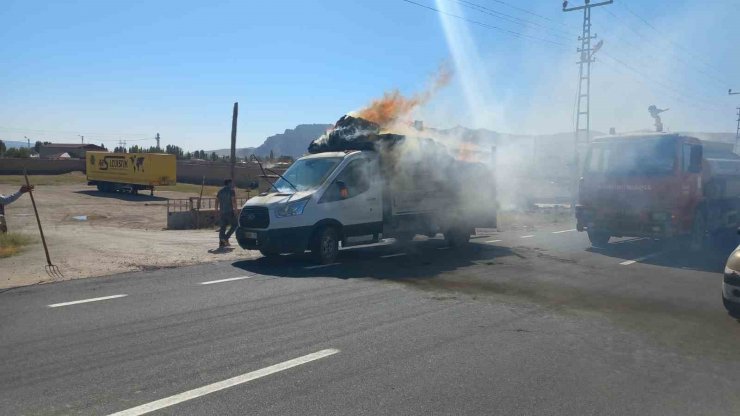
point(231, 279)
point(319, 266)
point(225, 384)
point(527, 236)
point(77, 302)
point(563, 231)
point(387, 256)
point(639, 259)
point(493, 241)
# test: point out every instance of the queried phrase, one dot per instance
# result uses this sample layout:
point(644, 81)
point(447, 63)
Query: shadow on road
point(423, 260)
point(123, 196)
point(672, 254)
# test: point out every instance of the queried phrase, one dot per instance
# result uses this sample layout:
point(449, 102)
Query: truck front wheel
point(325, 245)
point(598, 238)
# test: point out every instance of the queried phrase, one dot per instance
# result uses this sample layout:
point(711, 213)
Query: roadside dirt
point(94, 234)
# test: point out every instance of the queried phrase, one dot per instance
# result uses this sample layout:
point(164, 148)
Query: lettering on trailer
point(111, 162)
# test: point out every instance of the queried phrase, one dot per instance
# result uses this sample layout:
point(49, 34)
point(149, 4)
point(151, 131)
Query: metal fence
point(195, 203)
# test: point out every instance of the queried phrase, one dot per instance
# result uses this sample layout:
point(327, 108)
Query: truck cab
point(646, 185)
point(321, 199)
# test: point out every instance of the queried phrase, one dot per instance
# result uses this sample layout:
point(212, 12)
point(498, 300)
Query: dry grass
point(13, 243)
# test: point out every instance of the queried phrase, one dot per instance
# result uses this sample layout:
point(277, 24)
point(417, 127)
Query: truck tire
point(457, 237)
point(598, 238)
point(101, 187)
point(325, 245)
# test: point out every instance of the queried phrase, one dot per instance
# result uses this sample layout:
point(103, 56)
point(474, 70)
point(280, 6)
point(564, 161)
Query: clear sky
point(128, 69)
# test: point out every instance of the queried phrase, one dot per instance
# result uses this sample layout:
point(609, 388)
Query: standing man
point(226, 208)
point(6, 200)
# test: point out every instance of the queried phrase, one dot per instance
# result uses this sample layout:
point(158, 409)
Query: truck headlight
point(291, 208)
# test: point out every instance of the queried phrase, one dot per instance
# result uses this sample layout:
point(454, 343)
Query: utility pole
point(28, 140)
point(157, 139)
point(234, 116)
point(582, 136)
point(82, 138)
point(737, 132)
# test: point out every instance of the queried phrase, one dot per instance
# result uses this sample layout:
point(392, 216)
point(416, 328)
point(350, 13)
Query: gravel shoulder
point(119, 233)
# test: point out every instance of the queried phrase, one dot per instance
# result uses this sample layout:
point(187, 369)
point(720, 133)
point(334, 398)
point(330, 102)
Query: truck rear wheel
point(598, 238)
point(325, 245)
point(457, 237)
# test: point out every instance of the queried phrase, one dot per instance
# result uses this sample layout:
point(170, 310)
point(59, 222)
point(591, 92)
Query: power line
point(527, 12)
point(508, 17)
point(511, 32)
point(678, 45)
point(676, 56)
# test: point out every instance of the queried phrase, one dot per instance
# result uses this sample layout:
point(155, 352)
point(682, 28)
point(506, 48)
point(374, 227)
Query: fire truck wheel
point(598, 238)
point(325, 246)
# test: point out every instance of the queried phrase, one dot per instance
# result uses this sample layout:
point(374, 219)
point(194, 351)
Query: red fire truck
point(659, 186)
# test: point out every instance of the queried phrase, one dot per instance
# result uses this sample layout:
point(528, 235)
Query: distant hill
point(12, 144)
point(293, 142)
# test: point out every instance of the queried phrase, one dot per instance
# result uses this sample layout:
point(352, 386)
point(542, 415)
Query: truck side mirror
point(343, 191)
point(696, 156)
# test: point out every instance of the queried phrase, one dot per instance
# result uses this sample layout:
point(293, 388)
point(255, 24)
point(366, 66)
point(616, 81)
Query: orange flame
point(393, 105)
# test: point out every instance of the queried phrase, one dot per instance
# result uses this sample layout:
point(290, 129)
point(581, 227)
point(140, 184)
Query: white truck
point(357, 197)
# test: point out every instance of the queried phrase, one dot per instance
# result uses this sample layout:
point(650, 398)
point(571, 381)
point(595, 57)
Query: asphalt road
point(520, 322)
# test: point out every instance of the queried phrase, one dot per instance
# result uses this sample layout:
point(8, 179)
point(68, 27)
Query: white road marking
point(231, 279)
point(493, 241)
point(527, 236)
point(387, 256)
point(564, 231)
point(629, 240)
point(318, 266)
point(443, 248)
point(75, 302)
point(225, 384)
point(628, 262)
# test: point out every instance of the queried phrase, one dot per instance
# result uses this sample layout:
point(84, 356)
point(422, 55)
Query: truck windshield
point(652, 156)
point(307, 174)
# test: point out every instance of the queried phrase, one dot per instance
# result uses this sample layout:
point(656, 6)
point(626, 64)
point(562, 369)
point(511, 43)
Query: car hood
point(277, 198)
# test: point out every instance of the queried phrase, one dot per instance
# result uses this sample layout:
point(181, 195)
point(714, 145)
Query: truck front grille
point(254, 217)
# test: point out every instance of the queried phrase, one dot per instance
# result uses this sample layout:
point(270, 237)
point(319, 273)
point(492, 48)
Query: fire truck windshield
point(649, 156)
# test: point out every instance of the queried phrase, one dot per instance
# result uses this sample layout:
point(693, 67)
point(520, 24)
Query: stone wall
point(187, 172)
point(40, 166)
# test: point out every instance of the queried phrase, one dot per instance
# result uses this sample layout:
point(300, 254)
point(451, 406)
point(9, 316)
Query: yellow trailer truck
point(130, 172)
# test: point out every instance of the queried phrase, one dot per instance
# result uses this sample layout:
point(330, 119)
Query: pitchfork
point(52, 270)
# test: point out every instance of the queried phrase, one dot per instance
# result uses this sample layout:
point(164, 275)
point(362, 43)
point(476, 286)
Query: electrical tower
point(157, 139)
point(737, 132)
point(584, 70)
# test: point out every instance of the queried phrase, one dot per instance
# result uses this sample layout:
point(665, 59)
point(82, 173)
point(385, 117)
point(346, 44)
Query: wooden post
point(233, 140)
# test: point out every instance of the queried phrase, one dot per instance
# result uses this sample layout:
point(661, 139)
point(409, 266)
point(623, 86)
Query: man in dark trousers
point(226, 208)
